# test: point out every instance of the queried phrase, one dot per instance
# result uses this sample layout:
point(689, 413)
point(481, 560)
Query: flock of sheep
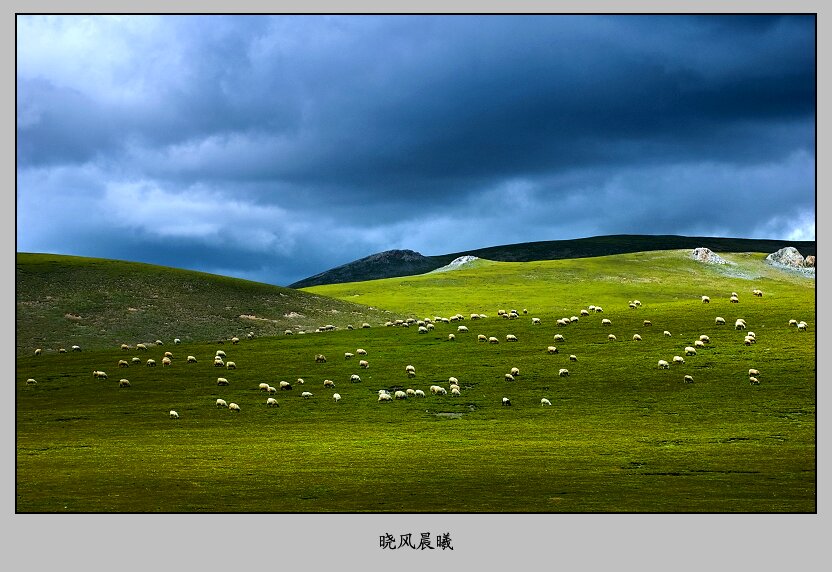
point(425, 325)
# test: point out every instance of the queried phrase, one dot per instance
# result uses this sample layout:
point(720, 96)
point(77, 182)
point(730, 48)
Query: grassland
point(620, 435)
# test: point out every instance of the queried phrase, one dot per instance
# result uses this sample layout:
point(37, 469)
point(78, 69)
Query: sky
point(273, 148)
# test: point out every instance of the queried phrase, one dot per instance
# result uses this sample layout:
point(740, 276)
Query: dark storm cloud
point(281, 146)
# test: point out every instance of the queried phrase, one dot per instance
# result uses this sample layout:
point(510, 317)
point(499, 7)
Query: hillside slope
point(66, 300)
point(391, 264)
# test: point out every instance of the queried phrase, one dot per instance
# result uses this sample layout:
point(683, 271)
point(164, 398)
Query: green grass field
point(620, 436)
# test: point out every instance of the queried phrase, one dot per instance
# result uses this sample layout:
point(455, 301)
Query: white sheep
point(493, 340)
point(410, 392)
point(753, 372)
point(506, 401)
point(400, 395)
point(385, 397)
point(451, 337)
point(125, 347)
point(169, 354)
point(177, 341)
point(99, 374)
point(159, 343)
point(751, 335)
point(361, 352)
point(699, 344)
point(482, 338)
point(123, 363)
point(455, 392)
point(678, 359)
point(688, 379)
point(271, 390)
point(636, 338)
point(31, 381)
point(734, 299)
point(690, 351)
point(285, 386)
point(263, 387)
point(123, 383)
point(320, 358)
point(365, 325)
point(754, 381)
point(61, 350)
point(559, 338)
point(423, 330)
point(511, 338)
point(355, 378)
point(758, 293)
point(223, 381)
point(38, 351)
point(720, 321)
point(453, 385)
point(231, 365)
point(552, 350)
point(606, 322)
point(706, 300)
point(166, 361)
point(740, 324)
point(663, 364)
point(235, 340)
point(329, 383)
point(545, 401)
point(141, 347)
point(573, 357)
point(348, 355)
point(801, 326)
point(409, 368)
point(306, 394)
point(191, 359)
point(288, 332)
point(535, 321)
point(792, 322)
point(218, 362)
point(233, 407)
point(563, 372)
point(705, 339)
point(363, 364)
point(749, 340)
point(220, 353)
point(462, 329)
point(300, 380)
point(611, 337)
point(174, 414)
point(76, 348)
point(221, 403)
point(419, 393)
point(437, 390)
point(272, 402)
point(151, 363)
point(515, 371)
point(509, 377)
point(584, 313)
point(336, 397)
point(647, 323)
point(599, 309)
point(136, 360)
point(668, 334)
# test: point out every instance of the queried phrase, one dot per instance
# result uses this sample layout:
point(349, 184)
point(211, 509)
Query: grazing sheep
point(535, 321)
point(678, 359)
point(285, 386)
point(233, 407)
point(38, 351)
point(753, 372)
point(482, 338)
point(493, 340)
point(288, 332)
point(365, 325)
point(272, 402)
point(462, 329)
point(752, 335)
point(409, 368)
point(720, 321)
point(647, 323)
point(348, 355)
point(453, 385)
point(552, 350)
point(218, 362)
point(633, 306)
point(151, 363)
point(271, 389)
point(123, 363)
point(573, 357)
point(174, 414)
point(159, 343)
point(99, 374)
point(563, 372)
point(636, 338)
point(31, 381)
point(734, 300)
point(453, 380)
point(423, 330)
point(663, 364)
point(191, 359)
point(361, 352)
point(235, 340)
point(300, 380)
point(739, 325)
point(169, 354)
point(706, 300)
point(319, 358)
point(355, 378)
point(221, 403)
point(410, 392)
point(306, 394)
point(801, 326)
point(177, 341)
point(455, 392)
point(506, 401)
point(792, 322)
point(125, 347)
point(220, 353)
point(668, 334)
point(754, 381)
point(223, 381)
point(411, 374)
point(400, 395)
point(76, 348)
point(690, 351)
point(545, 401)
point(141, 347)
point(606, 322)
point(123, 383)
point(514, 371)
point(559, 338)
point(509, 377)
point(688, 379)
point(329, 383)
point(611, 337)
point(699, 344)
point(438, 390)
point(385, 397)
point(419, 393)
point(749, 340)
point(166, 361)
point(451, 337)
point(584, 313)
point(135, 360)
point(758, 293)
point(263, 387)
point(599, 309)
point(705, 339)
point(363, 364)
point(511, 338)
point(231, 365)
point(574, 319)
point(336, 397)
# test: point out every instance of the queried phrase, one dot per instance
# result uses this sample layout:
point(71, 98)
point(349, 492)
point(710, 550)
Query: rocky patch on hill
point(707, 256)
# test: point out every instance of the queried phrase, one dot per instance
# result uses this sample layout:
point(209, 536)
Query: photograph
point(411, 266)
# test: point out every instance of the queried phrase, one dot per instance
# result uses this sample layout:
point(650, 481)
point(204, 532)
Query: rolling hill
point(66, 300)
point(394, 263)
